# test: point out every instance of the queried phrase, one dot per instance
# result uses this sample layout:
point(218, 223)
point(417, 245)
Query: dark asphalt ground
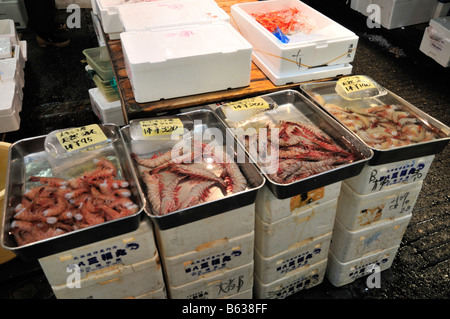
point(56, 96)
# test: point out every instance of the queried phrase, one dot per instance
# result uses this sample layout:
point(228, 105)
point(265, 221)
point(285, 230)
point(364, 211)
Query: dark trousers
point(41, 15)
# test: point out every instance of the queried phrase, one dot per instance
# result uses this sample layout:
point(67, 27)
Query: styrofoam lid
point(7, 91)
point(441, 25)
point(7, 68)
point(149, 15)
point(104, 4)
point(155, 46)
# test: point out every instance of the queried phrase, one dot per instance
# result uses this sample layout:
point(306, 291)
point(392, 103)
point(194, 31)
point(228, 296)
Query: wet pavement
point(56, 96)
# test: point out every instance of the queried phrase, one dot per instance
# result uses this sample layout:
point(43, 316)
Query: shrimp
point(198, 193)
point(51, 181)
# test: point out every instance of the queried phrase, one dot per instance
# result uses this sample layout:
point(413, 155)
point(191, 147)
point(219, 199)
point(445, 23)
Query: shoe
point(53, 41)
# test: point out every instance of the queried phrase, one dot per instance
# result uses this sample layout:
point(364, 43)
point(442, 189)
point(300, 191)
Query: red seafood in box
point(289, 20)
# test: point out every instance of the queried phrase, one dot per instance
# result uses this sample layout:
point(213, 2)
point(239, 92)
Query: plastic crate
point(106, 89)
point(98, 59)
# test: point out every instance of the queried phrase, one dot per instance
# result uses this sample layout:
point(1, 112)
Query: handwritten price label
point(161, 127)
point(81, 137)
point(355, 83)
point(251, 103)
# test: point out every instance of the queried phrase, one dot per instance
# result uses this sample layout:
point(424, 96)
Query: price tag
point(251, 103)
point(81, 137)
point(161, 127)
point(355, 84)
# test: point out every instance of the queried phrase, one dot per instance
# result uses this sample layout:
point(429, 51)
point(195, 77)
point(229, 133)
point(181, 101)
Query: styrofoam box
point(108, 14)
point(241, 295)
point(98, 29)
point(339, 273)
point(185, 60)
point(5, 48)
point(10, 106)
point(328, 44)
point(116, 282)
point(303, 278)
point(271, 209)
point(378, 177)
point(107, 112)
point(156, 294)
point(126, 249)
point(356, 211)
point(11, 71)
point(215, 256)
point(149, 15)
point(216, 285)
point(436, 41)
point(348, 245)
point(312, 221)
point(178, 240)
point(8, 30)
point(397, 13)
point(307, 252)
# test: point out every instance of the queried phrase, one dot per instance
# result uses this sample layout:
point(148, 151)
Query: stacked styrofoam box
point(396, 13)
point(436, 41)
point(292, 238)
point(374, 209)
point(125, 266)
point(12, 76)
point(185, 60)
point(210, 258)
point(325, 52)
point(107, 112)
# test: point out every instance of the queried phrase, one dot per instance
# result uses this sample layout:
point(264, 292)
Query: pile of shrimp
point(58, 206)
point(384, 126)
point(199, 173)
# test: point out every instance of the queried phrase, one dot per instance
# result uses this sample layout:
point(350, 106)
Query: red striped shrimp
point(198, 194)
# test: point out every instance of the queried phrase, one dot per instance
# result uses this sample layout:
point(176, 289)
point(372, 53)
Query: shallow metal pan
point(203, 119)
point(294, 106)
point(321, 93)
point(28, 157)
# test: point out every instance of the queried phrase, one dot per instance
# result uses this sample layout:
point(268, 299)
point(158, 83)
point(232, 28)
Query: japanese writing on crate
point(410, 171)
point(224, 287)
point(361, 270)
point(211, 263)
point(103, 257)
point(301, 283)
point(297, 261)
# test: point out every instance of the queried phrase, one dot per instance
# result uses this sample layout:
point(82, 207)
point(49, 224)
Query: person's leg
point(41, 15)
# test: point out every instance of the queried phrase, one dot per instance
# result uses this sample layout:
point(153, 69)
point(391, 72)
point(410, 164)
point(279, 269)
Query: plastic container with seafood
point(291, 40)
point(54, 168)
point(295, 144)
point(393, 128)
point(214, 176)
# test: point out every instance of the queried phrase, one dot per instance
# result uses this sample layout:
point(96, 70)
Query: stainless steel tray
point(202, 121)
point(294, 106)
point(324, 92)
point(28, 157)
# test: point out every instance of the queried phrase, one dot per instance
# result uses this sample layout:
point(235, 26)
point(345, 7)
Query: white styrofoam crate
point(156, 14)
point(98, 29)
point(117, 282)
point(307, 252)
point(348, 245)
point(108, 14)
point(8, 30)
point(356, 211)
point(311, 221)
point(216, 256)
point(340, 273)
point(436, 41)
point(397, 13)
point(10, 70)
point(378, 177)
point(196, 235)
point(156, 294)
point(126, 249)
point(328, 44)
point(225, 283)
point(5, 48)
point(271, 209)
point(186, 60)
point(248, 294)
point(303, 278)
point(10, 106)
point(107, 112)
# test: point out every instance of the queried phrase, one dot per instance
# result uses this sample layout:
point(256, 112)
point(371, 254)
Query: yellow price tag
point(162, 127)
point(81, 137)
point(355, 83)
point(250, 103)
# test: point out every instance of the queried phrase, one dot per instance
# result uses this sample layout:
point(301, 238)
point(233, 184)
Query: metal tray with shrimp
point(298, 147)
point(30, 167)
point(191, 174)
point(393, 128)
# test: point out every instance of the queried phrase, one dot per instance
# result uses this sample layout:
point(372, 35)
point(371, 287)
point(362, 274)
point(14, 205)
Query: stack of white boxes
point(374, 209)
point(122, 267)
point(210, 258)
point(292, 238)
point(12, 76)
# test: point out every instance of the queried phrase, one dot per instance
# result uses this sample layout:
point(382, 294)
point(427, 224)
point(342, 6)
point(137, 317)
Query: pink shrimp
point(51, 181)
point(169, 193)
point(106, 164)
point(199, 172)
point(237, 181)
point(57, 209)
point(198, 193)
point(154, 188)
